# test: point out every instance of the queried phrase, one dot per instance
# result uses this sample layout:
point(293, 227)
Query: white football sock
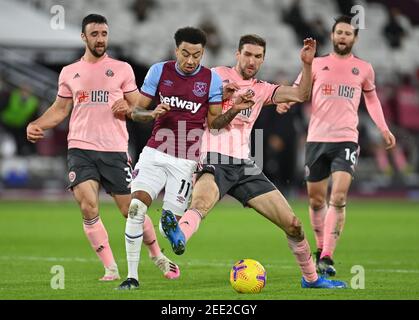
point(134, 235)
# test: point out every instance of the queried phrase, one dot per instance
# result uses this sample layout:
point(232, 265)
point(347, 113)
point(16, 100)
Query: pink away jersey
point(234, 140)
point(336, 93)
point(94, 87)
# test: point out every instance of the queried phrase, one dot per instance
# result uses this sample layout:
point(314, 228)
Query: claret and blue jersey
point(189, 97)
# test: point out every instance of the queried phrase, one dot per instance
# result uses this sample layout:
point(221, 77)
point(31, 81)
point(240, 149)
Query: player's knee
point(201, 204)
point(338, 199)
point(89, 209)
point(317, 202)
point(143, 196)
point(295, 229)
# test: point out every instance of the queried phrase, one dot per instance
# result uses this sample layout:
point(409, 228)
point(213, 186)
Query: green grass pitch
point(381, 236)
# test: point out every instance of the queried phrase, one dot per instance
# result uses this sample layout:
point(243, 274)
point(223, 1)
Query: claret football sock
point(189, 223)
point(98, 238)
point(301, 251)
point(317, 222)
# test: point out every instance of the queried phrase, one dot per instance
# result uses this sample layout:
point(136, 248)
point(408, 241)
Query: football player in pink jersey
point(227, 169)
point(339, 79)
point(98, 139)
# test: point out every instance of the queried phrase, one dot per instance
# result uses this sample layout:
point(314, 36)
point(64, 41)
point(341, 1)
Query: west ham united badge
point(200, 89)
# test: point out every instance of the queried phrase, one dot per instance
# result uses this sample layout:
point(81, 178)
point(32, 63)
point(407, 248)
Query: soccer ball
point(248, 276)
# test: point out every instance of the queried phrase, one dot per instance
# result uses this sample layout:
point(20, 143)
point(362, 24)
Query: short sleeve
point(269, 91)
point(129, 83)
point(151, 80)
point(369, 81)
point(216, 89)
point(64, 90)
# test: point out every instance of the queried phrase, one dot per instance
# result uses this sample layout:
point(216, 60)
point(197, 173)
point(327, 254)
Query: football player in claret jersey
point(98, 139)
point(227, 169)
point(189, 99)
point(339, 79)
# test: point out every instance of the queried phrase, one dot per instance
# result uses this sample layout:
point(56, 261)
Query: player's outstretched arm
point(139, 114)
point(376, 112)
point(214, 111)
point(134, 105)
point(302, 92)
point(389, 139)
point(229, 89)
point(54, 115)
point(218, 120)
point(284, 107)
point(125, 107)
point(142, 115)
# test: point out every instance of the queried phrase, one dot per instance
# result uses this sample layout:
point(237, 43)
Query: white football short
point(156, 170)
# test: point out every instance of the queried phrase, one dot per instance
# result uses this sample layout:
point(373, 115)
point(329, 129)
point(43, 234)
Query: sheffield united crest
point(355, 71)
point(109, 73)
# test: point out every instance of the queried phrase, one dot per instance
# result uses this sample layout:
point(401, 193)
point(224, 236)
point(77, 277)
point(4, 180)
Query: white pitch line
point(280, 265)
point(394, 270)
point(50, 259)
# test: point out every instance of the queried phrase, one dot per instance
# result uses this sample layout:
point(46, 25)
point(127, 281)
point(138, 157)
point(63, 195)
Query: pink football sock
point(150, 238)
point(98, 238)
point(333, 226)
point(399, 159)
point(189, 223)
point(301, 251)
point(382, 159)
point(317, 222)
